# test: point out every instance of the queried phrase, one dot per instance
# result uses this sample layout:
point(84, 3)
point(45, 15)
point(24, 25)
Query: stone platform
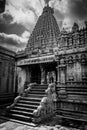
point(49, 125)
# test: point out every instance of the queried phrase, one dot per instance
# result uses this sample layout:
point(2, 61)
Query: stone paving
point(9, 125)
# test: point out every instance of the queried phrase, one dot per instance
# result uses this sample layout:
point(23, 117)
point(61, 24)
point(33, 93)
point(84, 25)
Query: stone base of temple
point(37, 103)
point(73, 104)
point(40, 102)
point(25, 104)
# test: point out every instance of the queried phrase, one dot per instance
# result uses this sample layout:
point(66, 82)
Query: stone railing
point(29, 87)
point(47, 105)
point(24, 94)
point(15, 101)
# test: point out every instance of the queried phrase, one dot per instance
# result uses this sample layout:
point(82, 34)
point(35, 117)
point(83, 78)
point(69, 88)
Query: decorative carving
point(70, 60)
point(75, 39)
point(70, 40)
point(43, 36)
point(51, 77)
point(62, 61)
point(75, 27)
point(83, 58)
point(62, 74)
point(47, 105)
point(77, 58)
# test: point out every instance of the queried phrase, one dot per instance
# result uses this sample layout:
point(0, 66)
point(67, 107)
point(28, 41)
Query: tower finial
point(47, 2)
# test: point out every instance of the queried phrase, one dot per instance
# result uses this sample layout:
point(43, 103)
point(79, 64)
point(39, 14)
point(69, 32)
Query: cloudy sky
point(20, 16)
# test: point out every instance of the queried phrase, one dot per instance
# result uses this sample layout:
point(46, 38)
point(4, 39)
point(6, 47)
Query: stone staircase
point(23, 109)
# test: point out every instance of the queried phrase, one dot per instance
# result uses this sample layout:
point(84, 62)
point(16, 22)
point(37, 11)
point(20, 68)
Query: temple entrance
point(51, 77)
point(35, 74)
point(51, 73)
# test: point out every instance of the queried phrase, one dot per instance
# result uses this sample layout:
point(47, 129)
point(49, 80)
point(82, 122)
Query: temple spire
point(47, 2)
point(45, 33)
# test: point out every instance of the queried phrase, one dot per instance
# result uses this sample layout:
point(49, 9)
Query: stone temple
point(52, 73)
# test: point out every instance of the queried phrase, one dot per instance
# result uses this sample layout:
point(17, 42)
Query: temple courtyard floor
point(51, 124)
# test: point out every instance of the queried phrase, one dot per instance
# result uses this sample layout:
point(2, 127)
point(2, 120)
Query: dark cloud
point(12, 40)
point(6, 18)
point(10, 28)
point(78, 9)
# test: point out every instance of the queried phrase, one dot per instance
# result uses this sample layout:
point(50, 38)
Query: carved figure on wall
point(62, 75)
point(70, 69)
point(51, 77)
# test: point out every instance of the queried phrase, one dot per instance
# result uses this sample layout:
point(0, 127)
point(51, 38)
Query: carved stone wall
point(21, 72)
point(7, 74)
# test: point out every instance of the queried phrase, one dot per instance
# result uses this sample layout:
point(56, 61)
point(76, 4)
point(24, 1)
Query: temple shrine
point(53, 65)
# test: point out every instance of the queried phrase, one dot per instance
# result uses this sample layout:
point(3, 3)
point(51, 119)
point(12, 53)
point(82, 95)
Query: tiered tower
point(45, 34)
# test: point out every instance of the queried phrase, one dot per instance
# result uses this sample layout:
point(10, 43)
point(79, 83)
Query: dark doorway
point(51, 72)
point(35, 74)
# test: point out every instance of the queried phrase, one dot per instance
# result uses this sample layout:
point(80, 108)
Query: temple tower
point(45, 34)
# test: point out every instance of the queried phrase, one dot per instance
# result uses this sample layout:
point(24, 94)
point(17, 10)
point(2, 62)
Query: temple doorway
point(51, 77)
point(51, 73)
point(35, 74)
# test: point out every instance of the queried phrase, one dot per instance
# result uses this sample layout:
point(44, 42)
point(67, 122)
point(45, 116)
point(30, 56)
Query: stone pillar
point(84, 68)
point(57, 72)
point(77, 71)
point(28, 76)
point(43, 74)
point(13, 77)
point(62, 78)
point(21, 75)
point(15, 80)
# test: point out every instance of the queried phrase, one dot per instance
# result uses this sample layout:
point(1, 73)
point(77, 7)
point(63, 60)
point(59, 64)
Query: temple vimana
point(49, 75)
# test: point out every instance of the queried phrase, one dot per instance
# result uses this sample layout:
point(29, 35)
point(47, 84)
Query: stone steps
point(29, 101)
point(23, 112)
point(79, 89)
point(36, 95)
point(34, 99)
point(77, 93)
point(20, 117)
point(26, 105)
point(36, 92)
point(39, 89)
point(23, 109)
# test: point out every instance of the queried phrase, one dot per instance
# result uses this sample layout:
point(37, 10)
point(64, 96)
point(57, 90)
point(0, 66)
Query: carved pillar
point(62, 78)
point(70, 70)
point(62, 71)
point(28, 74)
point(77, 69)
point(15, 80)
point(43, 74)
point(84, 68)
point(13, 77)
point(62, 74)
point(57, 72)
